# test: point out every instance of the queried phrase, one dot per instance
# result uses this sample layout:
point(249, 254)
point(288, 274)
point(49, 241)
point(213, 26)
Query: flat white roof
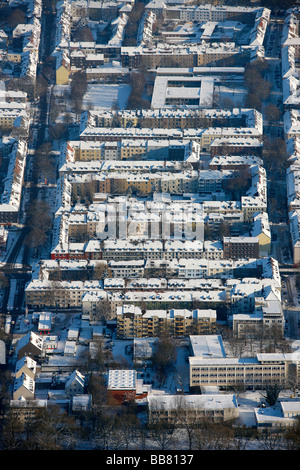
point(207, 346)
point(163, 91)
point(208, 402)
point(121, 379)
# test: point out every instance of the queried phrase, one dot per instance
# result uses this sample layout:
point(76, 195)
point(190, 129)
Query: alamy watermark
point(164, 220)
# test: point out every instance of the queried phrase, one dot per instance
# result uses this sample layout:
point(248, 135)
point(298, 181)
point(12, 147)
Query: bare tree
point(292, 436)
point(100, 269)
point(58, 130)
point(16, 17)
point(164, 356)
point(56, 274)
point(292, 379)
point(272, 112)
point(78, 89)
point(41, 86)
point(275, 157)
point(11, 433)
point(250, 333)
point(214, 436)
point(103, 311)
point(223, 230)
point(3, 280)
point(84, 34)
point(162, 432)
point(38, 216)
point(202, 439)
point(124, 431)
point(242, 437)
point(252, 100)
point(130, 31)
point(35, 239)
point(271, 440)
point(186, 418)
point(51, 429)
point(236, 346)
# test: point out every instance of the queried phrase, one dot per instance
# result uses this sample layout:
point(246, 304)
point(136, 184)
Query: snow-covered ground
point(107, 96)
point(235, 95)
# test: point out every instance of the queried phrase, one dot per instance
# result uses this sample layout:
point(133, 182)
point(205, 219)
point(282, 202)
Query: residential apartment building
point(63, 294)
point(127, 269)
point(261, 230)
point(63, 68)
point(266, 315)
point(179, 118)
point(294, 225)
point(178, 293)
point(235, 145)
point(132, 321)
point(117, 250)
point(10, 200)
point(161, 56)
point(12, 114)
point(241, 247)
point(245, 140)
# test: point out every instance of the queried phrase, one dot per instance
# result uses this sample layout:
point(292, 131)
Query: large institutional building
point(210, 366)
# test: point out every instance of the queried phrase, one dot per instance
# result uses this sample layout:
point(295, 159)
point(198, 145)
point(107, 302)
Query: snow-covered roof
point(122, 379)
point(196, 402)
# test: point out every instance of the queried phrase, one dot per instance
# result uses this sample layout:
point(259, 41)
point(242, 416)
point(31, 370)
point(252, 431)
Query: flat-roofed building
point(250, 372)
point(193, 408)
point(206, 346)
point(124, 386)
point(25, 410)
point(194, 92)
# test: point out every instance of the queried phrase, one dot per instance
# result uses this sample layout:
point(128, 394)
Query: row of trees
point(78, 89)
point(54, 430)
point(275, 158)
point(43, 164)
point(38, 222)
point(257, 86)
point(131, 28)
point(136, 99)
point(255, 338)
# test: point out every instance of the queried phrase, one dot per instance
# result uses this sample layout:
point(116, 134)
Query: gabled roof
point(32, 338)
point(75, 376)
point(26, 361)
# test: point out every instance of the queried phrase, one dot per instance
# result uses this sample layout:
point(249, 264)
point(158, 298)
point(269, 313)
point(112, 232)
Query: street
point(31, 192)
